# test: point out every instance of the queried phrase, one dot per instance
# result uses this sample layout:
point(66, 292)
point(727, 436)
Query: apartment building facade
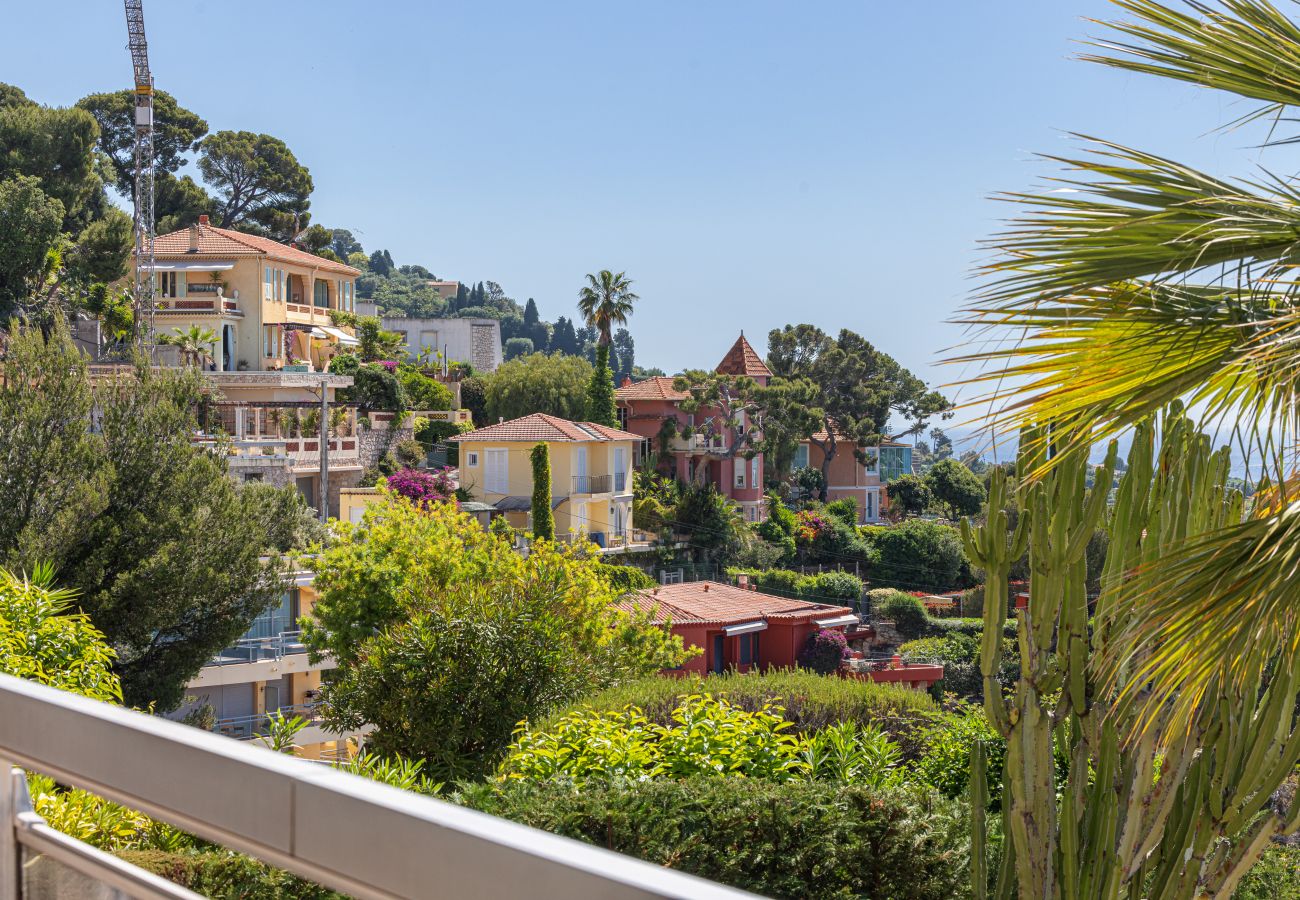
point(865, 481)
point(268, 303)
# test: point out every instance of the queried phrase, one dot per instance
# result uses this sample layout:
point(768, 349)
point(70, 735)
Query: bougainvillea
point(388, 364)
point(422, 487)
point(808, 525)
point(824, 651)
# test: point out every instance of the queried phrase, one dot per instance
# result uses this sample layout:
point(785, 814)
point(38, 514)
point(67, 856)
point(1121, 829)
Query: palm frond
point(1221, 605)
point(1246, 47)
point(1134, 215)
point(1106, 358)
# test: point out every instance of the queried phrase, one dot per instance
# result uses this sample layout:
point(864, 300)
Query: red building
point(739, 628)
point(701, 446)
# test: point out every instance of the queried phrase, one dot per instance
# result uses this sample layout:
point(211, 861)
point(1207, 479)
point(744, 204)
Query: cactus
point(1140, 813)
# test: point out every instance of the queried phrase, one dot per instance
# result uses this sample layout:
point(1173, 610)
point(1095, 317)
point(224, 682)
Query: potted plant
point(242, 365)
point(298, 365)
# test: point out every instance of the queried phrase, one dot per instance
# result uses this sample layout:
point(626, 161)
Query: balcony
point(698, 443)
point(195, 305)
point(591, 484)
point(283, 810)
point(246, 728)
point(258, 649)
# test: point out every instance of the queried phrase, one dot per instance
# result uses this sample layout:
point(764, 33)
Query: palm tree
point(194, 343)
point(1136, 281)
point(605, 301)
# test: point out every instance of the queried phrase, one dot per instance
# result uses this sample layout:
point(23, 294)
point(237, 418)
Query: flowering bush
point(422, 487)
point(388, 364)
point(824, 651)
point(808, 526)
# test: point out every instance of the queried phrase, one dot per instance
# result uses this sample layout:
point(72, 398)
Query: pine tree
point(530, 312)
point(543, 518)
point(601, 407)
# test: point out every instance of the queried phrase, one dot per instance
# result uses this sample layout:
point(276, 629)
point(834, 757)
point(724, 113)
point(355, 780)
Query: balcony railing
point(259, 649)
point(620, 482)
point(279, 809)
point(247, 727)
point(591, 484)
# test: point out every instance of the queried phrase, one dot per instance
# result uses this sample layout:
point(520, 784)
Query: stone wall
point(374, 441)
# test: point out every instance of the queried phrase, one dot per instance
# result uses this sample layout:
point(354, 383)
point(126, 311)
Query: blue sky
point(748, 164)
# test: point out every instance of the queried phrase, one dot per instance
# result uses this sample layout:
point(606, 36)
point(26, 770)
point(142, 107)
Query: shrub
point(905, 611)
point(832, 586)
point(424, 392)
point(345, 364)
point(779, 839)
point(625, 578)
point(420, 487)
point(919, 555)
point(220, 873)
point(945, 757)
point(1275, 877)
point(409, 453)
point(972, 602)
point(824, 651)
point(810, 702)
point(845, 510)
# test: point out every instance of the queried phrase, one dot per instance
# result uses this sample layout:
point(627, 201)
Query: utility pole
point(323, 509)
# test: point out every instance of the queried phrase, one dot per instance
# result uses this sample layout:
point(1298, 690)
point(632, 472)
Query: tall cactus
point(1137, 815)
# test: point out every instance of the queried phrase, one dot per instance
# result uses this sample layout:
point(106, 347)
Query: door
point(580, 480)
point(719, 653)
point(620, 469)
point(496, 477)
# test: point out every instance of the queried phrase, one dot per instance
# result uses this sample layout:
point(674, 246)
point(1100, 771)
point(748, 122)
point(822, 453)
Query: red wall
point(778, 645)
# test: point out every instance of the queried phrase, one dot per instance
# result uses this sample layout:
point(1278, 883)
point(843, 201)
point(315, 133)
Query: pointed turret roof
point(742, 359)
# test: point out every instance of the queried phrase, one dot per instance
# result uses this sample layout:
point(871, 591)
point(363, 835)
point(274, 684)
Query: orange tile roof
point(742, 359)
point(823, 436)
point(541, 427)
point(213, 241)
point(709, 602)
point(658, 387)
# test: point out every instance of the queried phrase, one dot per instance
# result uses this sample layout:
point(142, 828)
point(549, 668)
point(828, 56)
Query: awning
point(194, 266)
point(746, 628)
point(836, 621)
point(341, 336)
point(318, 334)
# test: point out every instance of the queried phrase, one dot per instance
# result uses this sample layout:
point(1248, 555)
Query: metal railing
point(245, 728)
point(258, 649)
point(620, 482)
point(590, 484)
point(285, 811)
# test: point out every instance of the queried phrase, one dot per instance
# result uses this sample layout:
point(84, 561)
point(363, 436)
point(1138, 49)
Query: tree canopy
point(556, 385)
point(253, 174)
point(446, 638)
point(954, 486)
point(176, 132)
point(164, 551)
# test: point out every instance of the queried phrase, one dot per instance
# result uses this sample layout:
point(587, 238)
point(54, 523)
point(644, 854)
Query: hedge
point(227, 875)
point(792, 839)
point(811, 701)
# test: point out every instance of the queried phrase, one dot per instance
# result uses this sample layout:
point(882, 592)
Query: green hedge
point(793, 839)
point(626, 578)
point(811, 701)
point(227, 875)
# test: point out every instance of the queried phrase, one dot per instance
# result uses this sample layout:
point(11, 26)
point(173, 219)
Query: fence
point(345, 832)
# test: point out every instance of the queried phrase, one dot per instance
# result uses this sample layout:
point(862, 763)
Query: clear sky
point(748, 164)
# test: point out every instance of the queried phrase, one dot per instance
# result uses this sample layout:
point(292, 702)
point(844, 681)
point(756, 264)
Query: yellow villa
point(268, 303)
point(591, 480)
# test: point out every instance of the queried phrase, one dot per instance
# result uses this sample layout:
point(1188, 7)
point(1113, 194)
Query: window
point(740, 474)
point(321, 294)
point(801, 456)
point(471, 460)
point(167, 283)
point(268, 283)
point(753, 472)
point(872, 466)
point(620, 469)
point(271, 342)
point(279, 285)
point(496, 479)
point(252, 476)
point(869, 511)
point(748, 649)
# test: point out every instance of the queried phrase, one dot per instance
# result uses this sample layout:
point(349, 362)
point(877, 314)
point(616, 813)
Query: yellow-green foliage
point(98, 822)
point(41, 641)
point(707, 736)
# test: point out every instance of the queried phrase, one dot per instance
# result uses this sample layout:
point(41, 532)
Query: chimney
point(203, 220)
point(627, 382)
point(194, 239)
point(706, 587)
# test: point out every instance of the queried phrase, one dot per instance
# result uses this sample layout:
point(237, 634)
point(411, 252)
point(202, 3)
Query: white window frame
point(801, 450)
point(873, 468)
point(471, 459)
point(739, 475)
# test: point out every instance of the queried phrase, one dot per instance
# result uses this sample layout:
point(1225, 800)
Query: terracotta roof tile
point(709, 602)
point(659, 387)
point(213, 241)
point(742, 359)
point(541, 427)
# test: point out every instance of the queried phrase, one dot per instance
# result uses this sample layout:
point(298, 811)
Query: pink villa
point(652, 409)
point(848, 476)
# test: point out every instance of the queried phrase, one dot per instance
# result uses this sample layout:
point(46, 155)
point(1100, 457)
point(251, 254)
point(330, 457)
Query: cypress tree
point(543, 518)
point(601, 407)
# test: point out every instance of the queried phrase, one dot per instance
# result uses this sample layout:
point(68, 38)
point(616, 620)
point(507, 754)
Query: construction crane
point(143, 219)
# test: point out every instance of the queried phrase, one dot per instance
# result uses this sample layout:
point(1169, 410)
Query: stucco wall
point(473, 341)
